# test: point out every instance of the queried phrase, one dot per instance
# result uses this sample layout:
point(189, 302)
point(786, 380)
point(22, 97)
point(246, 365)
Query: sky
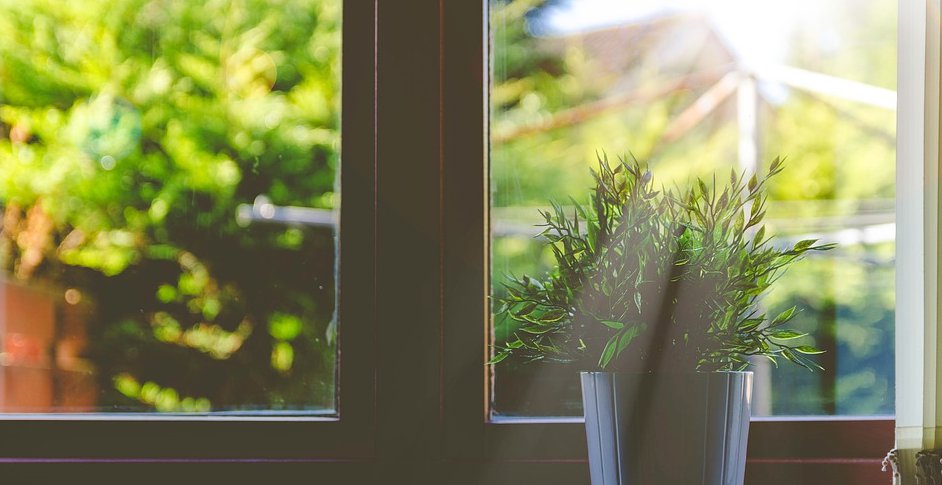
point(756, 30)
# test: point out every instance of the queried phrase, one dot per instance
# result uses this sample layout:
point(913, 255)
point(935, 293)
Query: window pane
point(168, 184)
point(695, 88)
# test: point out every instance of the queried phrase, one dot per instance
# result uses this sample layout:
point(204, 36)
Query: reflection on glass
point(695, 88)
point(167, 189)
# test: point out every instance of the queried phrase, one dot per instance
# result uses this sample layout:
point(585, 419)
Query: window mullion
point(466, 204)
point(408, 290)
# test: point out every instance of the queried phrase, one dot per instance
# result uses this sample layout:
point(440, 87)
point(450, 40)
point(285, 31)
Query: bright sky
point(757, 30)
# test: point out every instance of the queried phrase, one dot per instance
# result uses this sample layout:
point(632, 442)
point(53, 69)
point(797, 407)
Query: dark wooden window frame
point(344, 438)
point(413, 312)
point(782, 450)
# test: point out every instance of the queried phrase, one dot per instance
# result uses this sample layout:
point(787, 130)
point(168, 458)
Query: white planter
point(660, 429)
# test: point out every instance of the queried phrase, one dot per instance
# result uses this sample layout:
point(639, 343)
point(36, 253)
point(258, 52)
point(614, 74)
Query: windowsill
point(755, 419)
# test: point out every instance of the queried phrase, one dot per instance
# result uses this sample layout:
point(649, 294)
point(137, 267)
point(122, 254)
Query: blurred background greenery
point(130, 132)
point(662, 81)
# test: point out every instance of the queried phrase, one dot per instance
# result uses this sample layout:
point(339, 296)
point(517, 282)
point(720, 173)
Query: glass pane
point(694, 88)
point(168, 186)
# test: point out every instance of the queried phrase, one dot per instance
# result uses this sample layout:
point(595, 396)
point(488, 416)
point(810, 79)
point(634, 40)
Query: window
point(694, 90)
point(521, 432)
point(177, 165)
point(413, 389)
point(151, 263)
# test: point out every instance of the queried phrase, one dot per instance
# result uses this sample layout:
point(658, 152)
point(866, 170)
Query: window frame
point(284, 436)
point(843, 450)
point(413, 310)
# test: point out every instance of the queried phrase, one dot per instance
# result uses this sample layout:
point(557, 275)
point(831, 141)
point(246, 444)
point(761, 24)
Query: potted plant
point(653, 295)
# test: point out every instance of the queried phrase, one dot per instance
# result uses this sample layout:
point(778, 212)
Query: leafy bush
point(129, 133)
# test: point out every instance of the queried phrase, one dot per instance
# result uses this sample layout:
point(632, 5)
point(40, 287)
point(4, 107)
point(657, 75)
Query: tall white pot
point(667, 429)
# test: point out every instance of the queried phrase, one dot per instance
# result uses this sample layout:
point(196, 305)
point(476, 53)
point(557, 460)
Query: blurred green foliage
point(131, 130)
point(129, 133)
point(840, 159)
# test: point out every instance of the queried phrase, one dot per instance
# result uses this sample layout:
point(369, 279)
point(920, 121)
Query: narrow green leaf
point(807, 349)
point(627, 337)
point(757, 240)
point(788, 354)
point(613, 324)
point(787, 334)
point(514, 293)
point(552, 315)
point(755, 219)
point(579, 209)
point(784, 316)
point(608, 353)
point(703, 187)
point(525, 309)
point(804, 244)
point(498, 357)
point(750, 324)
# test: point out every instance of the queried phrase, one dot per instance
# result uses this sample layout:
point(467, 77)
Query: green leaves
point(628, 336)
point(145, 130)
point(691, 263)
point(618, 342)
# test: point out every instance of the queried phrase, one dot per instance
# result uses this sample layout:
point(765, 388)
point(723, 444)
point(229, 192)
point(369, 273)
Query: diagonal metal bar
point(262, 210)
point(585, 112)
point(818, 83)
